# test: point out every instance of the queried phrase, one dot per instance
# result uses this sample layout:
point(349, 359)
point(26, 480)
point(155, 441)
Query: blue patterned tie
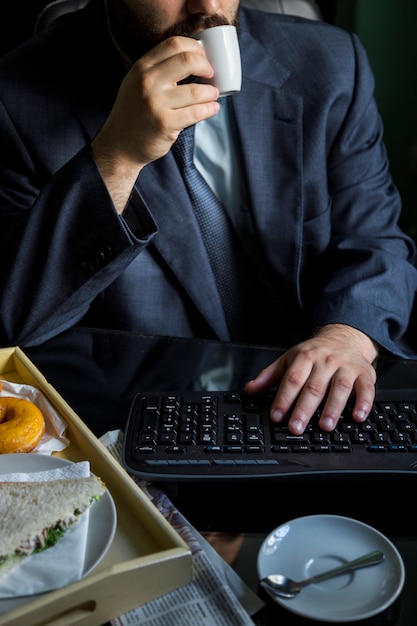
point(221, 242)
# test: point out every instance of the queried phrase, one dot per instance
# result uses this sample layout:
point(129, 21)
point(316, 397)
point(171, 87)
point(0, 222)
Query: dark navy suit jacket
point(323, 204)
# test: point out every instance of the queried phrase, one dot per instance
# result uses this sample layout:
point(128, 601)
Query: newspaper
point(216, 595)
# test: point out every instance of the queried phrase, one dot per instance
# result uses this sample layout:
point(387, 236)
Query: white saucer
point(309, 545)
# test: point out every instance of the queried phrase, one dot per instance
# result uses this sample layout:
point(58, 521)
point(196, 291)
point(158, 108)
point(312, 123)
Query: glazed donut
point(21, 425)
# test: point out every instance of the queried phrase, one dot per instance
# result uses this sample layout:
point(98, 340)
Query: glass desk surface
point(99, 372)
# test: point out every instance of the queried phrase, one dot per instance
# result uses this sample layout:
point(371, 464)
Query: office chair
point(303, 8)
point(55, 9)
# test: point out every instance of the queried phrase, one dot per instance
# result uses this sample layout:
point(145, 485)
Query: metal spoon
point(286, 588)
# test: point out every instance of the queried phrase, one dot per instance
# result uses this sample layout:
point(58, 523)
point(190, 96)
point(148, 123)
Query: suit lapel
point(269, 122)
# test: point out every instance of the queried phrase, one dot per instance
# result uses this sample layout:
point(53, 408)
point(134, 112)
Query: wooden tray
point(147, 557)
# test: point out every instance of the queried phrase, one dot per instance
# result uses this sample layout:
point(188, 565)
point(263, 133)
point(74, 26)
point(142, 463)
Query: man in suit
point(97, 227)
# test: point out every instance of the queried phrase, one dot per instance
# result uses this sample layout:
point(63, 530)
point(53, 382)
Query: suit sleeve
point(368, 270)
point(62, 241)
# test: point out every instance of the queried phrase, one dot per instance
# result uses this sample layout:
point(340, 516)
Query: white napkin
point(53, 439)
point(57, 566)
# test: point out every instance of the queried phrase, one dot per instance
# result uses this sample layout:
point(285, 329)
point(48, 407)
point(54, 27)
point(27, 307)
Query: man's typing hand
point(334, 364)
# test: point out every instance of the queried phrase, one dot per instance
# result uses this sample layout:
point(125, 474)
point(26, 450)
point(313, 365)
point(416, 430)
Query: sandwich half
point(34, 515)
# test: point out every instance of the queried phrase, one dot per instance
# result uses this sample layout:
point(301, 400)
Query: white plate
point(309, 545)
point(102, 516)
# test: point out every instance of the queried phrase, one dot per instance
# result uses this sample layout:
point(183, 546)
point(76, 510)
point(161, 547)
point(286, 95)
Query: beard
point(137, 35)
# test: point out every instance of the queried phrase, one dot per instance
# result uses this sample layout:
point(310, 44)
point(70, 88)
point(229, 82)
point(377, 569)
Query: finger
point(193, 102)
point(170, 48)
point(309, 399)
point(364, 396)
point(294, 392)
point(339, 393)
point(173, 61)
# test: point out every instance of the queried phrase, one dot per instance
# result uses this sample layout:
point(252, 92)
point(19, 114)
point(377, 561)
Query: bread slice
point(34, 515)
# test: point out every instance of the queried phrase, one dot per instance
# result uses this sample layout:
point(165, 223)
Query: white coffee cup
point(221, 46)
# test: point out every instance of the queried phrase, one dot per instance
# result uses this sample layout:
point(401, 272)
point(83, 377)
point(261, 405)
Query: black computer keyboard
point(223, 435)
